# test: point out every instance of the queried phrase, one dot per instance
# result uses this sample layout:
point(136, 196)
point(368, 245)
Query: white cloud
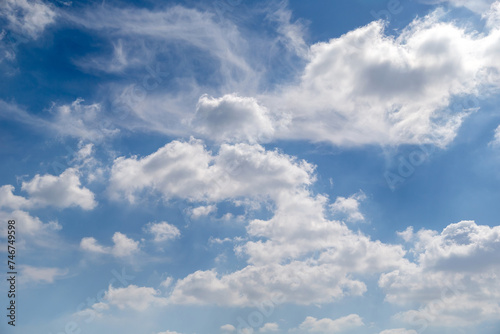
point(269, 327)
point(328, 326)
point(31, 226)
point(163, 231)
point(41, 274)
point(187, 170)
point(122, 246)
point(27, 17)
point(228, 328)
point(349, 206)
point(363, 88)
point(279, 247)
point(82, 121)
point(399, 331)
point(60, 191)
point(167, 282)
point(454, 280)
point(202, 211)
point(134, 297)
point(9, 200)
point(90, 244)
point(367, 88)
point(407, 234)
point(233, 118)
point(169, 332)
point(297, 282)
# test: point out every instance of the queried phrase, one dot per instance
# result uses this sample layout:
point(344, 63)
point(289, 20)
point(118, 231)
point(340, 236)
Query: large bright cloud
point(366, 87)
point(279, 249)
point(188, 170)
point(455, 277)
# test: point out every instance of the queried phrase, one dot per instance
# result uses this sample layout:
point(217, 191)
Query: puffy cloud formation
point(269, 327)
point(122, 246)
point(279, 249)
point(11, 201)
point(368, 88)
point(454, 279)
point(233, 118)
point(187, 170)
point(163, 231)
point(365, 87)
point(202, 211)
point(349, 207)
point(60, 191)
point(300, 256)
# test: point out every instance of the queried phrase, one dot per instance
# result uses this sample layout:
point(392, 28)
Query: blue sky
point(251, 167)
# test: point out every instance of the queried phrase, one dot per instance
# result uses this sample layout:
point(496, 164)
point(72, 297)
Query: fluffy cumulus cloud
point(202, 211)
point(122, 246)
point(60, 191)
point(326, 325)
point(297, 282)
point(454, 279)
point(163, 231)
point(188, 170)
point(233, 118)
point(27, 17)
point(349, 207)
point(269, 327)
point(279, 247)
point(367, 87)
point(11, 201)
